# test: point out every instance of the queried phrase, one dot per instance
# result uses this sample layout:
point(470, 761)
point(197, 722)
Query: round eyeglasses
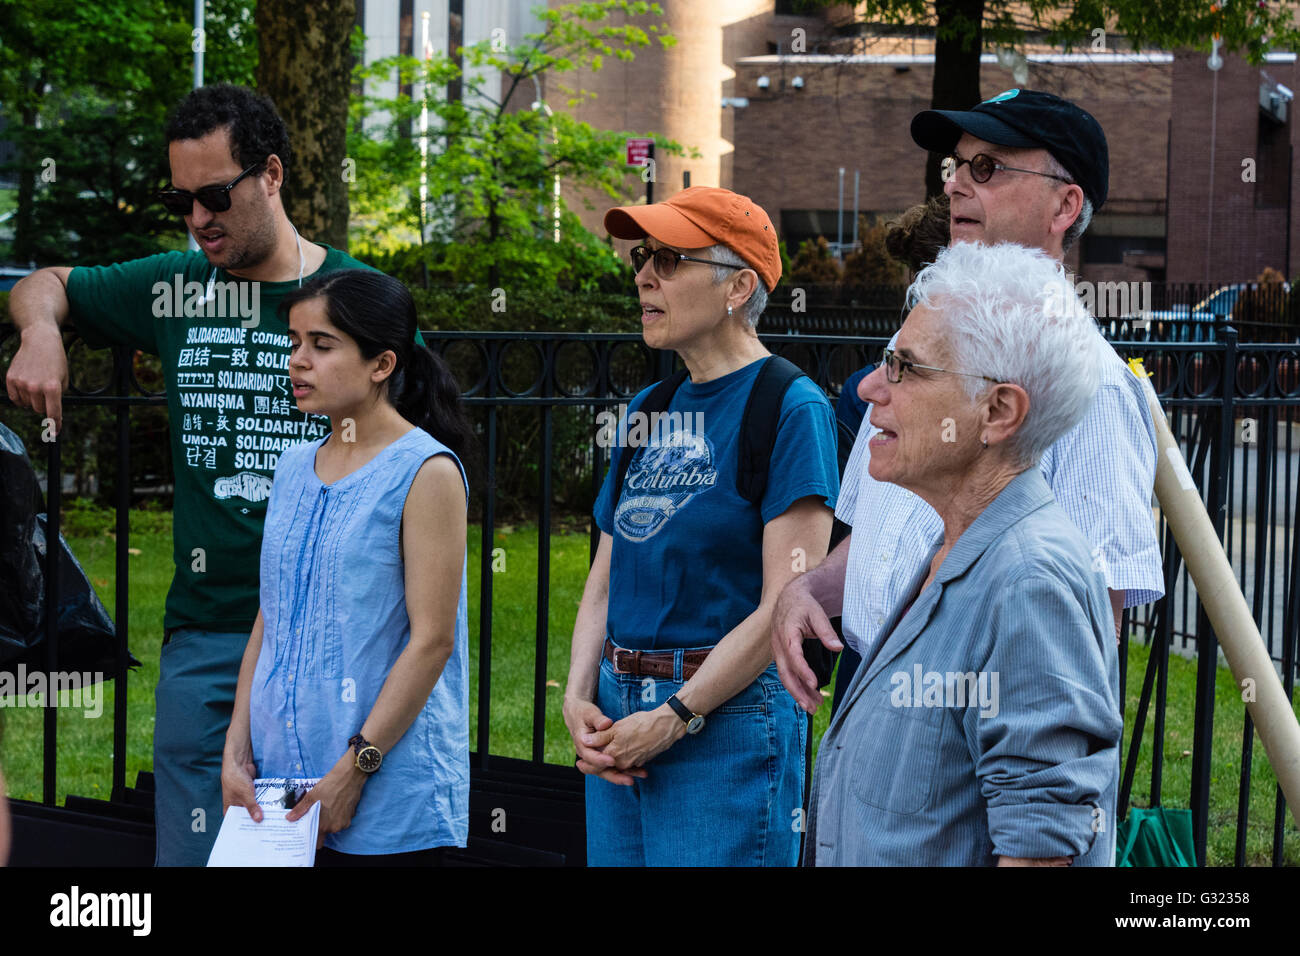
point(983, 166)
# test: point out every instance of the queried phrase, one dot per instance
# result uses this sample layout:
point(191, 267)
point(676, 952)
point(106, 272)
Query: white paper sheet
point(273, 842)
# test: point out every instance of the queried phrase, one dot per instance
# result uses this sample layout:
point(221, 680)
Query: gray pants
point(194, 698)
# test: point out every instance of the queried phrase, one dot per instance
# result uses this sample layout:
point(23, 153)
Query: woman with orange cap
point(694, 750)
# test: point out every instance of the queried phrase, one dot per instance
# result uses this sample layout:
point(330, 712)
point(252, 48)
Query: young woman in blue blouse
point(356, 670)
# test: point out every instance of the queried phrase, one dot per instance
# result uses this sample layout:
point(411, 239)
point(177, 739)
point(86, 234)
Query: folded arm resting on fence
point(38, 374)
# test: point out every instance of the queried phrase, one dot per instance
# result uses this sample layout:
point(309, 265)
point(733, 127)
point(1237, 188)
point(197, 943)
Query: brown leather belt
point(653, 663)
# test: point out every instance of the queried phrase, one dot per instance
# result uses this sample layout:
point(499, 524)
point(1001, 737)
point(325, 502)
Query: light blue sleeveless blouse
point(333, 600)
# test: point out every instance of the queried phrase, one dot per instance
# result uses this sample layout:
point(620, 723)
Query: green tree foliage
point(494, 154)
point(813, 264)
point(85, 89)
point(871, 264)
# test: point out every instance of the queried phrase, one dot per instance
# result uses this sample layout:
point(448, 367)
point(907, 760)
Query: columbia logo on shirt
point(661, 481)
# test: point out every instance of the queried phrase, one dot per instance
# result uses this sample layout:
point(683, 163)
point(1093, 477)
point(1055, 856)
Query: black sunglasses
point(213, 198)
point(665, 260)
point(983, 166)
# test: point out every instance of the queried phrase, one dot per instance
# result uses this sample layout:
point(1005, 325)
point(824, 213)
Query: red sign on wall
point(638, 151)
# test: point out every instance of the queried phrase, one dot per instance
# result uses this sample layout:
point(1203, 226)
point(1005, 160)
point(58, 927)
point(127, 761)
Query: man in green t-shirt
point(211, 317)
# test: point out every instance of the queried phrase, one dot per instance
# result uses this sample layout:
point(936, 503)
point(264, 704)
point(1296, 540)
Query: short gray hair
point(1012, 313)
point(752, 310)
point(1081, 221)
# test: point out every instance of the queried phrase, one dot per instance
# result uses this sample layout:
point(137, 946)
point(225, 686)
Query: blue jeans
point(195, 696)
point(731, 795)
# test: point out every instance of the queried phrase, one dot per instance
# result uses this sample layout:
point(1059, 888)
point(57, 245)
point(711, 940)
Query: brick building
point(1231, 204)
point(778, 125)
point(856, 112)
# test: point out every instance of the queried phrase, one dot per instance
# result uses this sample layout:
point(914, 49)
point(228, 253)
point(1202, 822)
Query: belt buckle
point(620, 656)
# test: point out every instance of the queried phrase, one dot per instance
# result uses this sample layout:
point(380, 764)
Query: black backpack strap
point(759, 424)
point(656, 401)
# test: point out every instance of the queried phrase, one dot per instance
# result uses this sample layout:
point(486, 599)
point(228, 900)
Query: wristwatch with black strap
point(368, 756)
point(694, 722)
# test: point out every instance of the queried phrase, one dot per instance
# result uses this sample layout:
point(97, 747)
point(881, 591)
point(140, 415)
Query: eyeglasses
point(895, 367)
point(213, 198)
point(665, 260)
point(983, 166)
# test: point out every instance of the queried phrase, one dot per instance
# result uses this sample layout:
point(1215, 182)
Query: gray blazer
point(987, 722)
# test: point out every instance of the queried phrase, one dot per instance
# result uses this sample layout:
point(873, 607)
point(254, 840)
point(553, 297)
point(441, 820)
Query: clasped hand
point(617, 751)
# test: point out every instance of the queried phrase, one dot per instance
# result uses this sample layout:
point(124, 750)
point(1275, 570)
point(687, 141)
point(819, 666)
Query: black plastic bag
point(21, 593)
point(87, 638)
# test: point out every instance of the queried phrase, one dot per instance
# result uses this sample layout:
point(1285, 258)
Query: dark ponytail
point(377, 312)
point(429, 396)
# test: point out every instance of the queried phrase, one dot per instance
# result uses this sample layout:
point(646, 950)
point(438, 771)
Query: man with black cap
point(1030, 168)
point(1024, 167)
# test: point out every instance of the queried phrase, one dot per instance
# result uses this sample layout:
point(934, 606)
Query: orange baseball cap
point(705, 216)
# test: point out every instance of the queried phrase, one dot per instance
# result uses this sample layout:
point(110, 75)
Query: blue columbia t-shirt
point(687, 562)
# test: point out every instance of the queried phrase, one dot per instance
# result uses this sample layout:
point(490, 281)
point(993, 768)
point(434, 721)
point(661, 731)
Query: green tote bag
point(1155, 837)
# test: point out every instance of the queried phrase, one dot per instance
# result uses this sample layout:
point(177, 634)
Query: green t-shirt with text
point(225, 356)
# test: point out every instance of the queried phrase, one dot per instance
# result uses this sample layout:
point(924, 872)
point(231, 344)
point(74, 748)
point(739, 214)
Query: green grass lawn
point(85, 745)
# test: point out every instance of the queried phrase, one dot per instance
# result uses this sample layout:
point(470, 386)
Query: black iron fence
point(1233, 408)
point(1131, 311)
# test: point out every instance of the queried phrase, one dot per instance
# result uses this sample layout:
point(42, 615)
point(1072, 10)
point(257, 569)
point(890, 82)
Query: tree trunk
point(959, 40)
point(302, 66)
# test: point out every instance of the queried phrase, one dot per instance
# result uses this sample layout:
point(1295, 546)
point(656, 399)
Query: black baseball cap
point(1031, 120)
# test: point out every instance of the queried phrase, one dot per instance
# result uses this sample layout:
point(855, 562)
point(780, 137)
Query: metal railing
point(1213, 391)
point(1131, 311)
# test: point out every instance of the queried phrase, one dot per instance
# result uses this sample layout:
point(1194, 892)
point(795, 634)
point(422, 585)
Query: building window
point(1102, 249)
point(1273, 163)
point(800, 224)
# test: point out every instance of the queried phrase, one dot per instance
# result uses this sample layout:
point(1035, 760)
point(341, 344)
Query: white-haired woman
point(694, 750)
point(983, 726)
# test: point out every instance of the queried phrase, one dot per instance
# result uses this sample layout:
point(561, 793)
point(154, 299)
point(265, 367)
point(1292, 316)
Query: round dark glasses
point(983, 166)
